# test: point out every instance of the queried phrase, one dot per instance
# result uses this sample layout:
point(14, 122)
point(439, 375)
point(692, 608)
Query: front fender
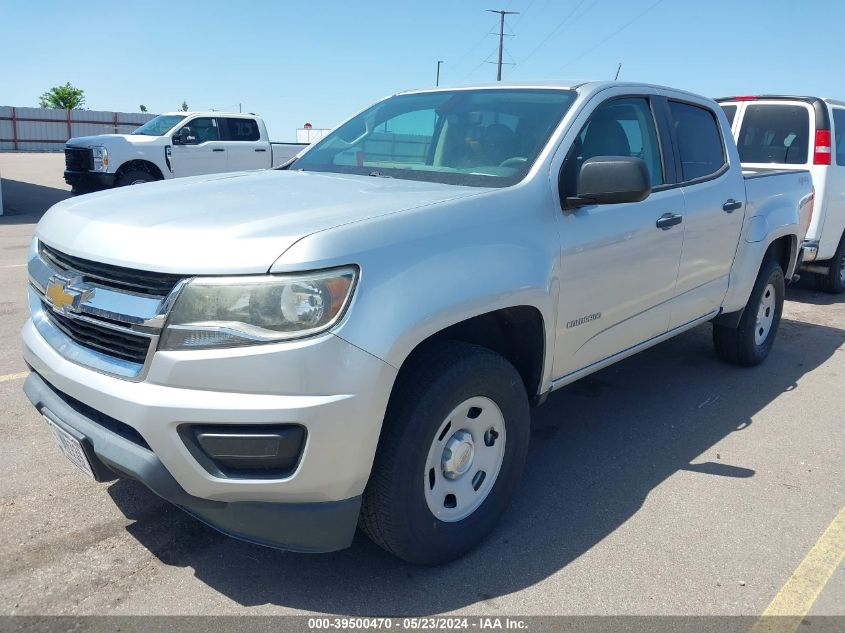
point(425, 269)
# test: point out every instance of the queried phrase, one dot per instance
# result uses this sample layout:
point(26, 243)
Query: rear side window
point(700, 144)
point(839, 129)
point(730, 112)
point(240, 130)
point(774, 133)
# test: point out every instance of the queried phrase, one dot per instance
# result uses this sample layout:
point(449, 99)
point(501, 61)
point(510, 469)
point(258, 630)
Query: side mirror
point(184, 137)
point(611, 180)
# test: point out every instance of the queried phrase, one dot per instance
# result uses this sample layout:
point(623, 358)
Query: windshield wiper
point(378, 174)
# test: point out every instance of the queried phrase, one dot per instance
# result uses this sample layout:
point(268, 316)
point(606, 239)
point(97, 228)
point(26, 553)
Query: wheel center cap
point(457, 455)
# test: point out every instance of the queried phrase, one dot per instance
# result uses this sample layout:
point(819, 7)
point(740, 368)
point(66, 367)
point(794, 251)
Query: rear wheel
point(750, 342)
point(453, 445)
point(134, 177)
point(834, 281)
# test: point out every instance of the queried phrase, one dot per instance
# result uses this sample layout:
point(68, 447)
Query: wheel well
point(781, 251)
point(143, 165)
point(516, 333)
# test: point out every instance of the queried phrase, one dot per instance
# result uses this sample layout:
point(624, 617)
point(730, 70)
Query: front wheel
point(453, 445)
point(750, 342)
point(134, 177)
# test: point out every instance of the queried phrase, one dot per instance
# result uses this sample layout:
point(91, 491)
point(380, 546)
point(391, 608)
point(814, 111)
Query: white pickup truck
point(174, 145)
point(357, 338)
point(793, 132)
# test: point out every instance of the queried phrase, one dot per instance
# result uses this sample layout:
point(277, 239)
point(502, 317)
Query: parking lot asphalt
point(669, 483)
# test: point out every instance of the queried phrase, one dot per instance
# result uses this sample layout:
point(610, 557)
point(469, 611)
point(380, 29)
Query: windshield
point(160, 125)
point(487, 138)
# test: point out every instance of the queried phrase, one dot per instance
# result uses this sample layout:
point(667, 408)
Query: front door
point(200, 149)
point(618, 267)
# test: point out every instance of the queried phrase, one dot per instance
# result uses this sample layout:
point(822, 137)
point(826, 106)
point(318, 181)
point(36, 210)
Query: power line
point(554, 30)
point(611, 36)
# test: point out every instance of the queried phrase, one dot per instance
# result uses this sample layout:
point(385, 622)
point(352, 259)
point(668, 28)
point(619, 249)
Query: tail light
point(821, 155)
point(744, 98)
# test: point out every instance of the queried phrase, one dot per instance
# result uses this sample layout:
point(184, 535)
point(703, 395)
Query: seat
point(605, 137)
point(498, 143)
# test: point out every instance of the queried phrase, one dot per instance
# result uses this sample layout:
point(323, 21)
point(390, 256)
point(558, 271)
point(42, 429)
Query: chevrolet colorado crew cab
point(173, 145)
point(801, 133)
point(357, 339)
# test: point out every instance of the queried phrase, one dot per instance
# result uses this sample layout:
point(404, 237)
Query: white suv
point(802, 133)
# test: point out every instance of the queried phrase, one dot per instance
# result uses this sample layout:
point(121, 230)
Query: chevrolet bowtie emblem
point(67, 295)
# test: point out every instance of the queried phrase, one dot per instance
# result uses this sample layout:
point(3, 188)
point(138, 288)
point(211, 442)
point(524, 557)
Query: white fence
point(45, 130)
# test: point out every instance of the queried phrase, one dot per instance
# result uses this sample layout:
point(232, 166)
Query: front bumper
point(89, 179)
point(303, 527)
point(335, 390)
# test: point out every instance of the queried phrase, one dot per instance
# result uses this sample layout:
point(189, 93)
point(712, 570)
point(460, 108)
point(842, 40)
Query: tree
point(143, 108)
point(184, 107)
point(65, 97)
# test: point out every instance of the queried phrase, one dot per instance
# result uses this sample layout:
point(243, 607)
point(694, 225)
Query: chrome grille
point(120, 343)
point(108, 276)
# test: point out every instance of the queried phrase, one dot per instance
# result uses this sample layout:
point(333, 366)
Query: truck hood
point(227, 223)
point(113, 140)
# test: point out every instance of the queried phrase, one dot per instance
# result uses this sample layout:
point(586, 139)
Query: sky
point(320, 61)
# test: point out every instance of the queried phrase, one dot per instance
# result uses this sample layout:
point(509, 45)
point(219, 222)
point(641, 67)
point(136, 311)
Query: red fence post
point(114, 118)
point(69, 129)
point(14, 127)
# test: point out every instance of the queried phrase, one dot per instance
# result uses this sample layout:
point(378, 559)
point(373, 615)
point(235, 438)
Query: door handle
point(731, 205)
point(260, 150)
point(218, 149)
point(668, 220)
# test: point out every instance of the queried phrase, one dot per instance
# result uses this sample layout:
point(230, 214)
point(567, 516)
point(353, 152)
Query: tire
point(439, 385)
point(750, 342)
point(134, 177)
point(834, 281)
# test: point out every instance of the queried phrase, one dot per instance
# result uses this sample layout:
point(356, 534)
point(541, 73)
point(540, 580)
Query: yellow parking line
point(18, 376)
point(798, 594)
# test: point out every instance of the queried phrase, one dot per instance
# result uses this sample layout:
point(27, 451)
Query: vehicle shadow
point(599, 447)
point(806, 291)
point(26, 202)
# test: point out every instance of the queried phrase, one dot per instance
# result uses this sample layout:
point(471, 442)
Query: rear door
point(203, 152)
point(244, 145)
point(714, 195)
point(834, 200)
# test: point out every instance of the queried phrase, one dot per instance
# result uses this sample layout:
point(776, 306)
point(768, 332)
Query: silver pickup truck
point(357, 339)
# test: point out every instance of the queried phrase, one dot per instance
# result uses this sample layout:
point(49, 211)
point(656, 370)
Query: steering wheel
point(513, 161)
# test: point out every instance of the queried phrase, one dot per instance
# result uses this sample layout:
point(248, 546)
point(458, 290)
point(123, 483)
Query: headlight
point(101, 158)
point(214, 312)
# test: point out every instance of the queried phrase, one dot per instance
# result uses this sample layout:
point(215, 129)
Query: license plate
point(71, 447)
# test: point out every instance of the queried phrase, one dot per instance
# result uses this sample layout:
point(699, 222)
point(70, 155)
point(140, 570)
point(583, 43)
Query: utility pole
point(502, 13)
point(239, 108)
point(437, 82)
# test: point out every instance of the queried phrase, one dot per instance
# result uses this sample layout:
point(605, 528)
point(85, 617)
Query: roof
point(552, 85)
point(210, 113)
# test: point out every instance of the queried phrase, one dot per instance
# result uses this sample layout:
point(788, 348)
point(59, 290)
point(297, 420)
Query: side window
point(620, 127)
point(730, 112)
point(839, 129)
point(699, 140)
point(204, 129)
point(240, 130)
